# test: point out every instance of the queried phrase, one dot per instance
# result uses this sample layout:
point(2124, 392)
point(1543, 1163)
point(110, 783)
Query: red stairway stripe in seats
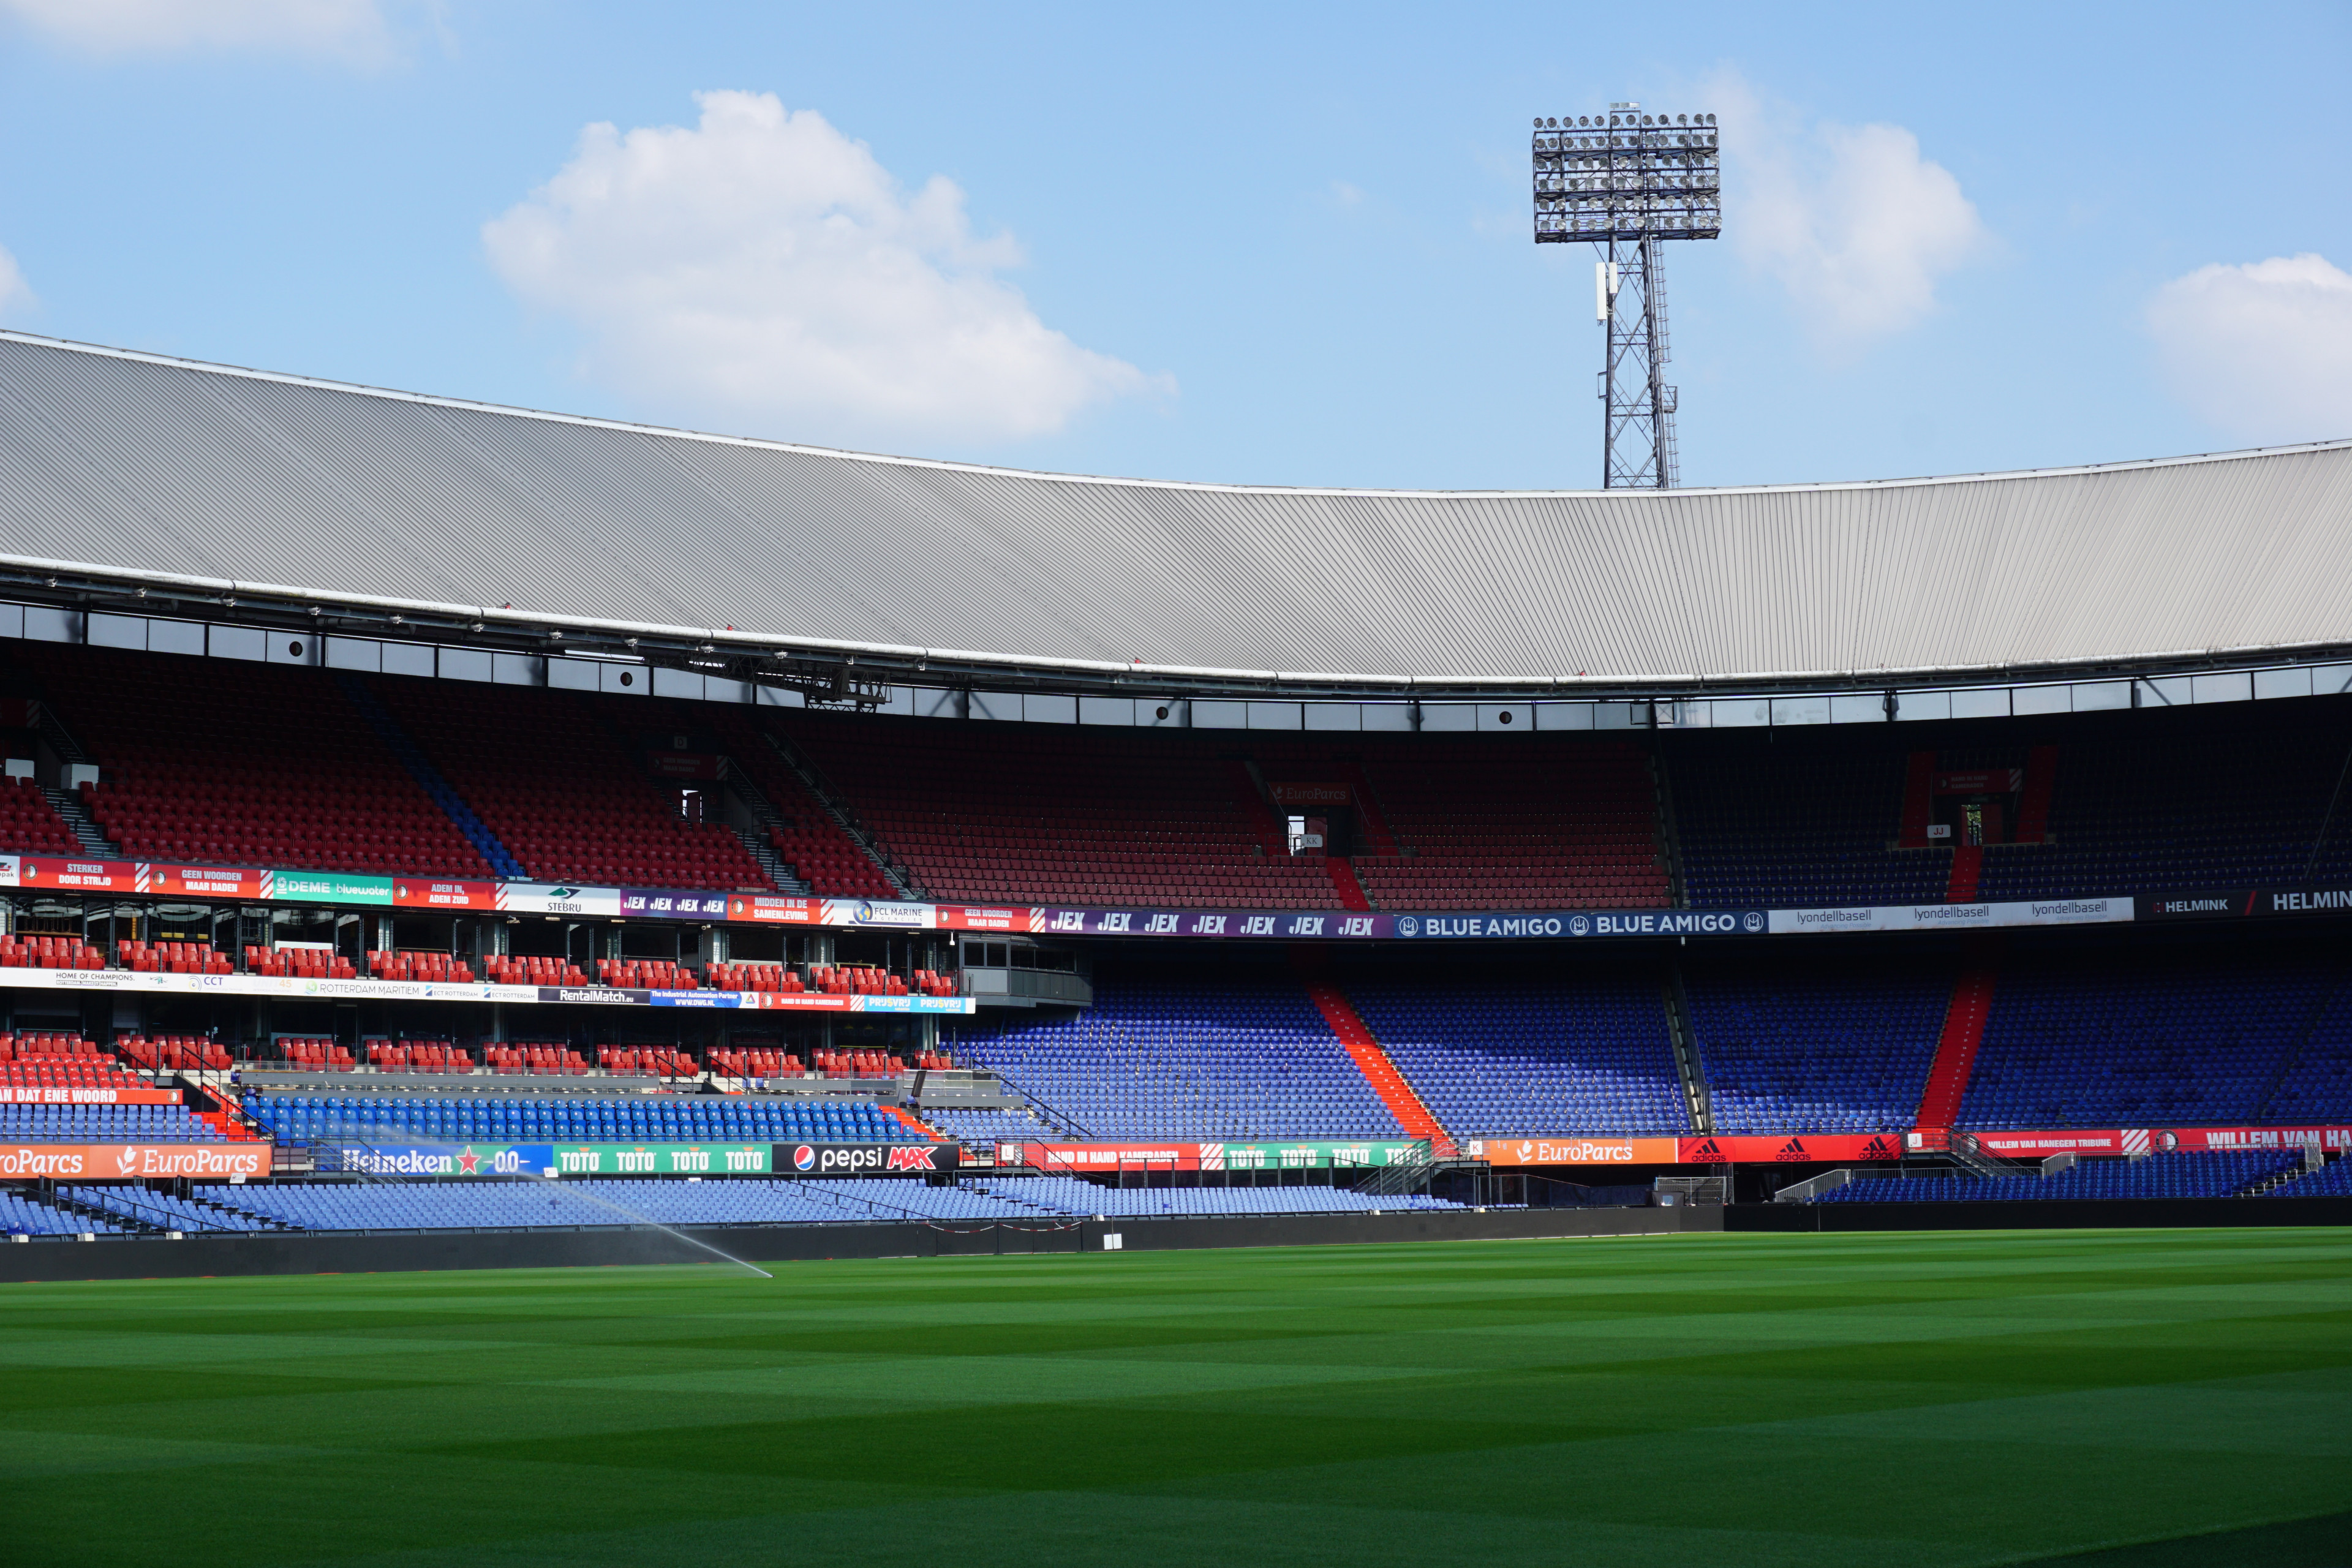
point(1955, 1048)
point(1968, 865)
point(1379, 1071)
point(1343, 879)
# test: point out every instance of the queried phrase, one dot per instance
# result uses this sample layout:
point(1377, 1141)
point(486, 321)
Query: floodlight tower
point(1627, 182)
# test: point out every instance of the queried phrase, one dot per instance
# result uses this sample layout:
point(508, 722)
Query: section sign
point(131, 1162)
point(663, 1159)
point(863, 1159)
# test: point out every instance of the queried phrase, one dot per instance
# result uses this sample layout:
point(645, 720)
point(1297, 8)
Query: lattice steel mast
point(1626, 182)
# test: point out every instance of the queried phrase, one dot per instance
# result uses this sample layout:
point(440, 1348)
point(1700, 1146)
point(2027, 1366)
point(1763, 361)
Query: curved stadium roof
point(138, 467)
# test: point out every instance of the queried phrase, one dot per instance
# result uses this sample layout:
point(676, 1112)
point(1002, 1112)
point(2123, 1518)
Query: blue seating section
point(163, 1211)
point(21, 1215)
point(1493, 1054)
point(500, 1205)
point(2201, 1173)
point(2332, 1181)
point(1179, 1058)
point(2144, 1040)
point(982, 1129)
point(1818, 1049)
point(104, 1124)
point(1070, 1196)
point(617, 1118)
point(2317, 1085)
point(1797, 820)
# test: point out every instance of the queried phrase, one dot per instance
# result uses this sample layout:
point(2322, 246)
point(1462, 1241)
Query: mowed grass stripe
point(1978, 1399)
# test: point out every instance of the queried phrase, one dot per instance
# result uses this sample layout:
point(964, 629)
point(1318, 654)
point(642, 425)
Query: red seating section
point(47, 1060)
point(537, 1058)
point(854, 980)
point(644, 974)
point(812, 843)
point(650, 1061)
point(54, 1047)
point(1029, 814)
point(49, 952)
point(29, 825)
point(175, 1053)
point(298, 963)
point(173, 958)
point(415, 1055)
point(757, 1063)
point(1502, 822)
point(248, 765)
point(512, 970)
point(561, 793)
point(855, 1063)
point(419, 966)
point(316, 1053)
point(773, 977)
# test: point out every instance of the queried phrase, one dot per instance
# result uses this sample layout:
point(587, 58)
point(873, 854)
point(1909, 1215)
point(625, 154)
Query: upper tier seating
point(249, 764)
point(1797, 820)
point(1493, 1052)
point(29, 825)
point(1029, 815)
point(49, 952)
point(561, 793)
point(1494, 822)
point(534, 1058)
point(105, 1124)
point(175, 1053)
point(2171, 1035)
point(816, 848)
point(1172, 1056)
point(173, 958)
point(1800, 1046)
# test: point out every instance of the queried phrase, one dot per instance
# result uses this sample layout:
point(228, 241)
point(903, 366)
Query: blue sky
point(1214, 243)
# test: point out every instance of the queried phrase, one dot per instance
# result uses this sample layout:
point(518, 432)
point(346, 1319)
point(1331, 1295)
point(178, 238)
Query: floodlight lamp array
point(1627, 175)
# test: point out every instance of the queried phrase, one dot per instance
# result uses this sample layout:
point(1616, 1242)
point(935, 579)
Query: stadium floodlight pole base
point(1637, 442)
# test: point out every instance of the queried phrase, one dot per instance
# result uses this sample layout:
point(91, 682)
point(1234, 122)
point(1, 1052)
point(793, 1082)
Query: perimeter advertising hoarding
point(863, 1159)
point(80, 875)
point(1289, 1156)
point(433, 893)
point(435, 1158)
point(131, 1162)
point(558, 899)
point(662, 1159)
point(2135, 1141)
point(1778, 1149)
point(326, 887)
point(2241, 903)
point(1955, 917)
point(206, 881)
point(667, 904)
point(1574, 1150)
point(17, 1094)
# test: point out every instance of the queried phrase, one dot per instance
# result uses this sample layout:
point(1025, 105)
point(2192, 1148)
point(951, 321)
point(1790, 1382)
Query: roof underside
point(143, 465)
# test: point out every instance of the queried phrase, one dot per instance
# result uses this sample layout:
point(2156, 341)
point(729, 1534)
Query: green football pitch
point(2100, 1397)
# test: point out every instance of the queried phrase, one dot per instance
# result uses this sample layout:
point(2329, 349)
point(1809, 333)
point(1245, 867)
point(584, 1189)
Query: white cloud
point(763, 265)
point(1851, 221)
point(351, 28)
point(2262, 350)
point(14, 292)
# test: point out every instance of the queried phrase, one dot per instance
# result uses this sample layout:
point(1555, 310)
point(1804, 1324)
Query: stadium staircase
point(67, 803)
point(1249, 791)
point(914, 1123)
point(428, 778)
point(1968, 867)
point(765, 820)
point(1373, 1062)
point(1956, 1052)
point(1682, 1036)
point(1343, 880)
point(830, 803)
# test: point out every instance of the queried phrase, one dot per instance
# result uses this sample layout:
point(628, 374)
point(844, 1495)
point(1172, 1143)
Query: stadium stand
point(272, 769)
point(607, 1117)
point(1170, 1055)
point(542, 772)
point(105, 1124)
point(2200, 1173)
point(2137, 1037)
point(807, 839)
point(142, 1208)
point(29, 825)
point(23, 1216)
point(2333, 1180)
point(1030, 817)
point(1799, 1045)
point(1495, 1051)
point(1770, 821)
point(1073, 1196)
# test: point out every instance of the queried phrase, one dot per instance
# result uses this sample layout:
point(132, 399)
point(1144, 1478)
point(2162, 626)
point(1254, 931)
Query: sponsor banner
point(121, 980)
point(985, 917)
point(424, 893)
point(558, 899)
point(1955, 917)
point(1296, 794)
point(775, 909)
point(863, 1159)
point(131, 1162)
point(686, 766)
point(2245, 902)
point(663, 1159)
point(435, 1158)
point(18, 1094)
point(1582, 923)
point(880, 913)
point(326, 887)
point(1558, 1150)
point(661, 904)
point(206, 881)
point(84, 876)
point(1289, 1156)
point(1789, 1149)
point(2134, 1141)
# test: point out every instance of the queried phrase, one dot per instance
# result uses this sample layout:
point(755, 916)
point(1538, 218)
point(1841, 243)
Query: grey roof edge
point(1627, 498)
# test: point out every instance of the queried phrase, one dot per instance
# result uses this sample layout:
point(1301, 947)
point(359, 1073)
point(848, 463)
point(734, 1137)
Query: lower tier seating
point(21, 1215)
point(1493, 1052)
point(2200, 1174)
point(105, 1124)
point(1173, 1056)
point(1799, 1047)
point(1071, 1195)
